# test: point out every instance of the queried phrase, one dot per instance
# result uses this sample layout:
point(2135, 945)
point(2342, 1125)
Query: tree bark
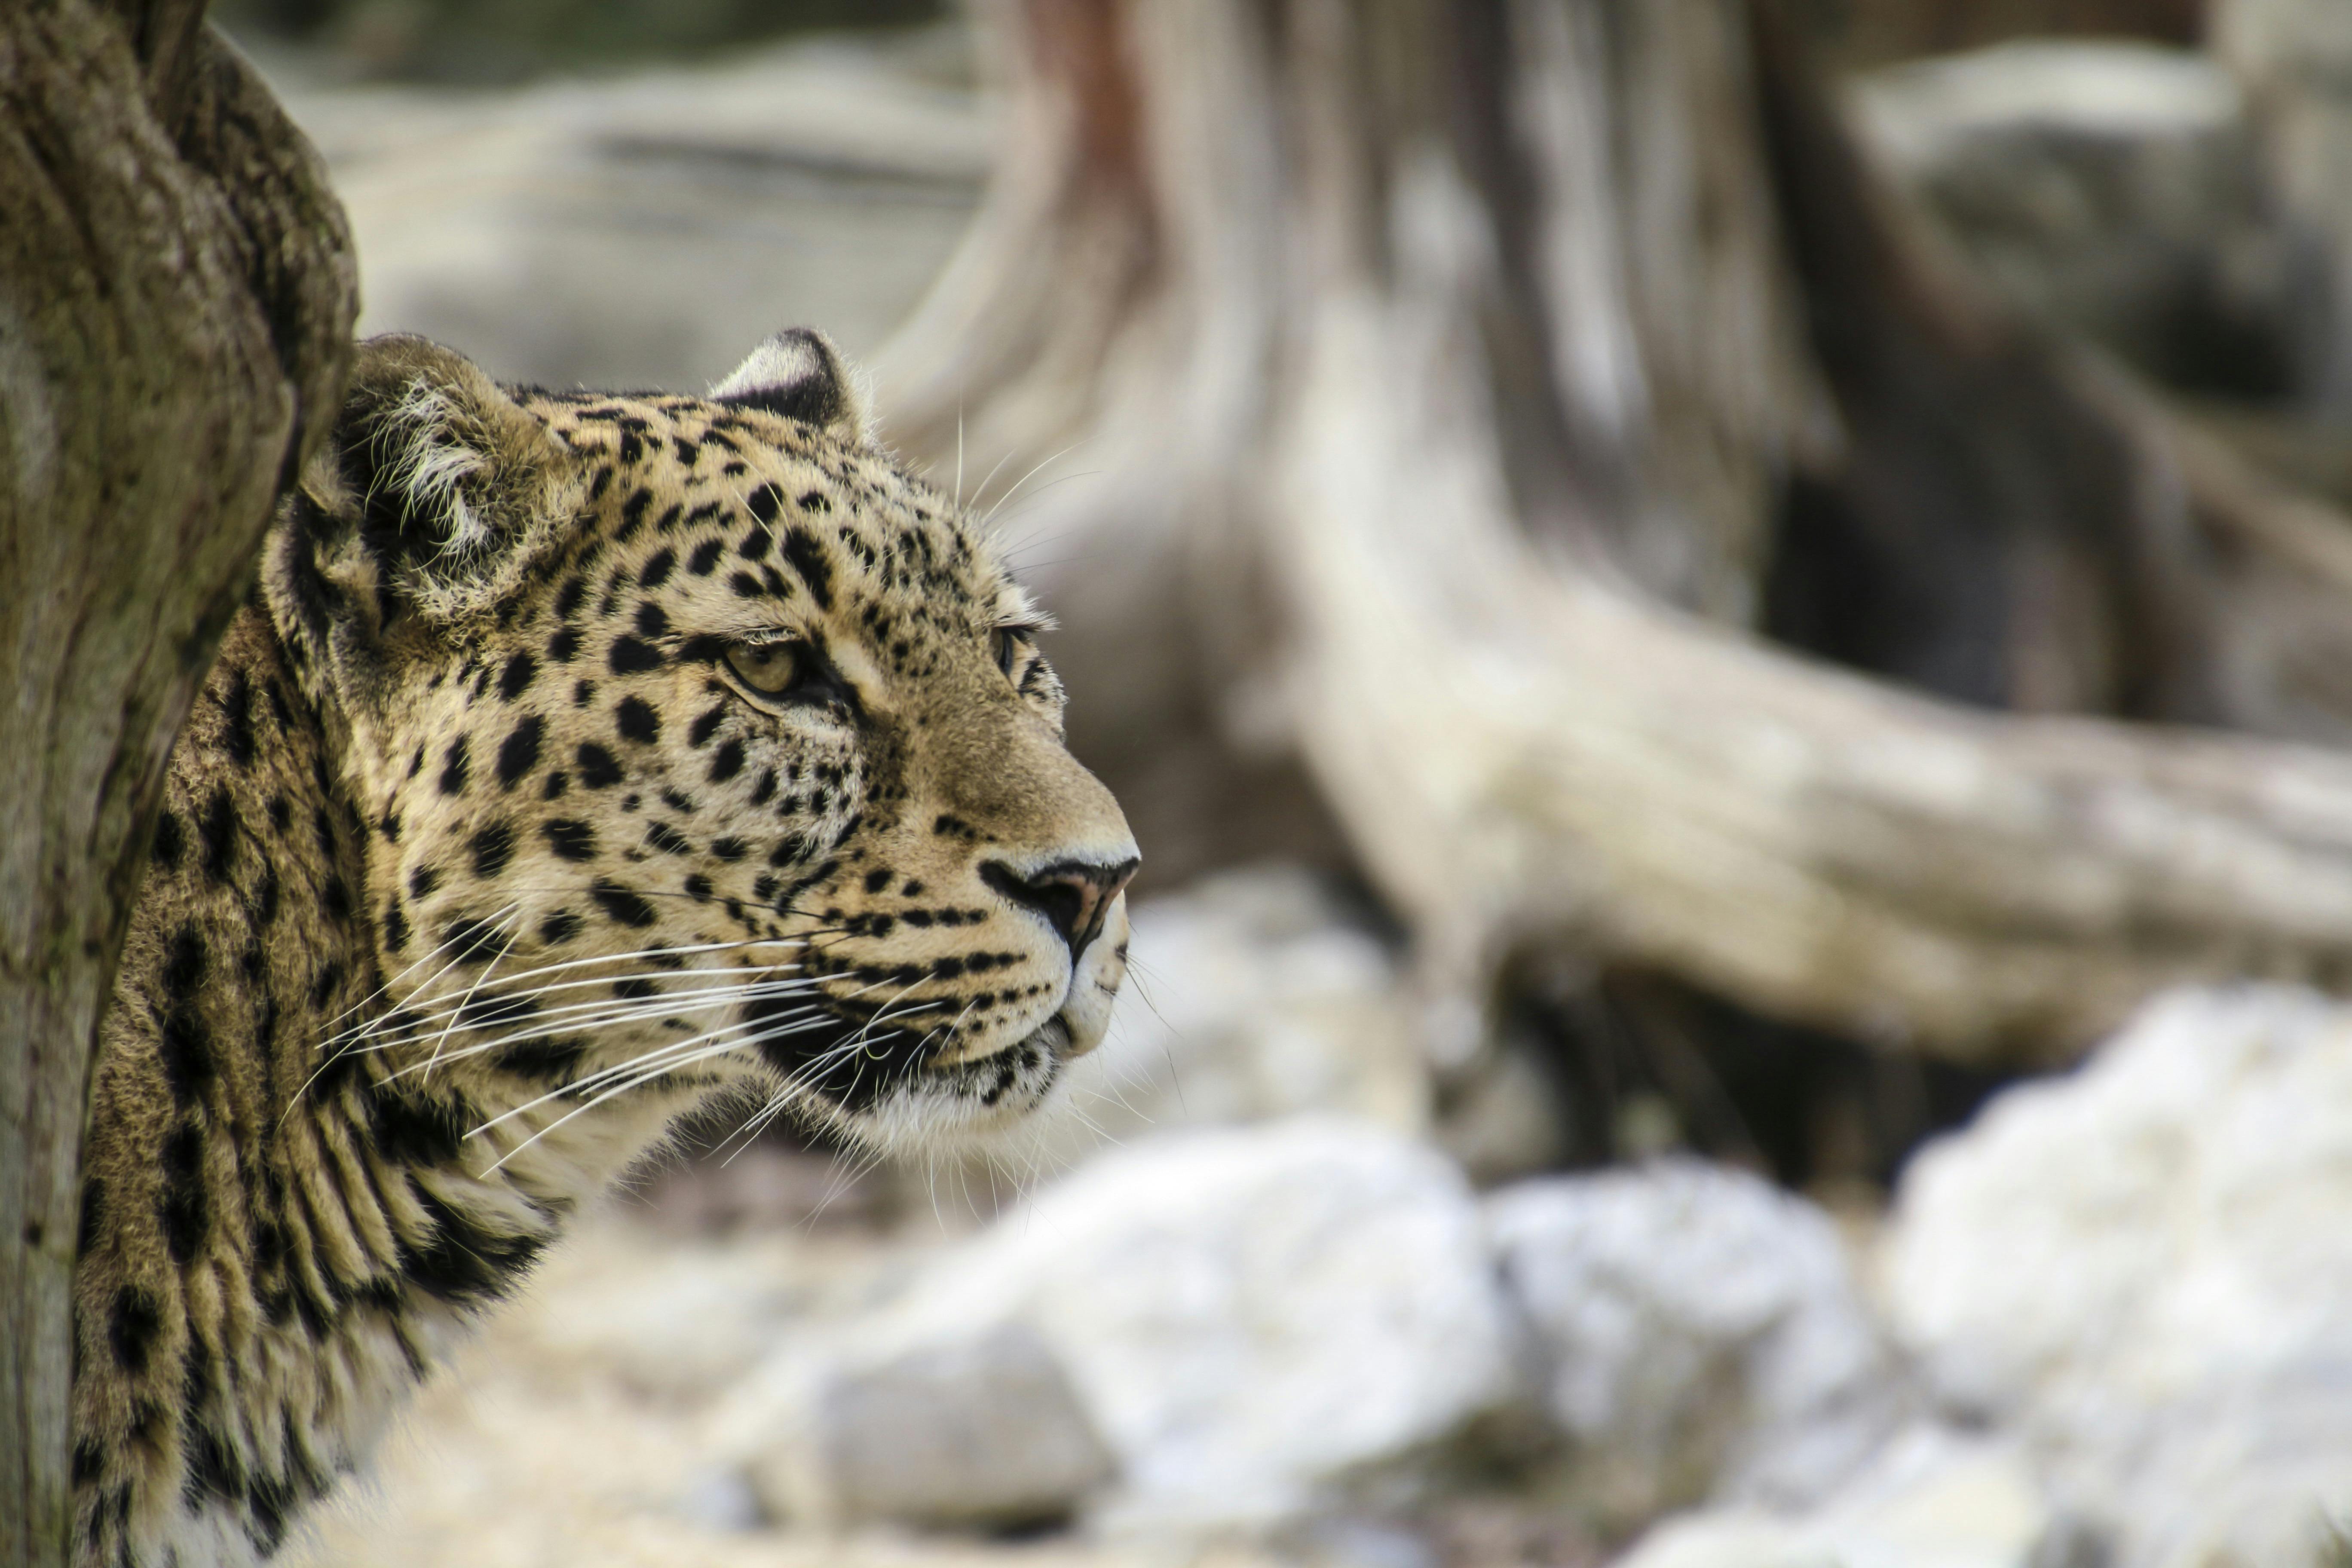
point(177, 297)
point(1441, 367)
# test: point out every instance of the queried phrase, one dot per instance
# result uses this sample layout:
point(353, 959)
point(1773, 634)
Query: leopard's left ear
point(801, 375)
point(430, 501)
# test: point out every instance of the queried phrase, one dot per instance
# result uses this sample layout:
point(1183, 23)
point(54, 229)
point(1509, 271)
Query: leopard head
point(703, 748)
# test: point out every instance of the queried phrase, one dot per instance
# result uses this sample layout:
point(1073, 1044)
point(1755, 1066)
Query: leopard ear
point(437, 489)
point(801, 375)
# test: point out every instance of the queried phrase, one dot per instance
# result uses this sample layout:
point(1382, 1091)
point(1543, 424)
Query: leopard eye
point(1012, 643)
point(772, 667)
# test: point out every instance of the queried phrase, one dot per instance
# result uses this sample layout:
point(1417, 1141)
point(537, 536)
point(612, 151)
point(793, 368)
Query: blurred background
point(1728, 628)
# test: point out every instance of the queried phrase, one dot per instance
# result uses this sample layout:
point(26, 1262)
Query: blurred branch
point(1428, 367)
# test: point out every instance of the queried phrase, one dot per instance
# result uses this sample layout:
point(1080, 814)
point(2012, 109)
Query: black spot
point(705, 725)
point(170, 841)
point(493, 848)
point(471, 941)
point(557, 782)
point(706, 556)
point(94, 1216)
point(746, 586)
point(729, 849)
point(213, 1469)
point(727, 762)
point(395, 925)
point(631, 657)
point(454, 767)
point(236, 725)
point(184, 960)
point(756, 545)
point(599, 769)
point(583, 692)
point(632, 511)
point(623, 904)
point(635, 990)
point(807, 557)
point(697, 887)
point(764, 502)
point(638, 721)
point(335, 899)
point(765, 789)
point(421, 882)
point(565, 646)
point(187, 1205)
point(541, 1059)
point(570, 838)
point(185, 1046)
point(814, 500)
point(324, 983)
point(217, 833)
point(89, 1460)
point(516, 679)
point(668, 839)
point(132, 1328)
point(465, 1262)
point(567, 599)
point(266, 1503)
point(657, 568)
point(877, 880)
point(559, 927)
point(417, 1130)
point(519, 752)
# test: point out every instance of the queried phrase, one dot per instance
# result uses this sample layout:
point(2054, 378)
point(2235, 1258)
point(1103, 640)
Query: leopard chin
point(896, 1092)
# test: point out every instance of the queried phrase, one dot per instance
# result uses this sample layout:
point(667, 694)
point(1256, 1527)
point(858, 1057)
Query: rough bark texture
point(1439, 369)
point(176, 295)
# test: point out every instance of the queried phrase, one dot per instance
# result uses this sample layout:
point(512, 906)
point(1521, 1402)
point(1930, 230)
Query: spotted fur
point(483, 860)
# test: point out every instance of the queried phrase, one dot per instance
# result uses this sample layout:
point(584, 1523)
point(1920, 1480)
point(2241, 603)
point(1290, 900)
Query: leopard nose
point(1073, 895)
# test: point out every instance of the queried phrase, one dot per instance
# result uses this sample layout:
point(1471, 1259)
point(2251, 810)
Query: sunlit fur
point(480, 865)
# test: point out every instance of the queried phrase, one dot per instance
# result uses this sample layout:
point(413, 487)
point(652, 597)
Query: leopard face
point(701, 747)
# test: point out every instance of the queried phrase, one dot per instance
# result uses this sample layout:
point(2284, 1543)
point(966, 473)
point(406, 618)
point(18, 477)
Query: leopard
point(575, 764)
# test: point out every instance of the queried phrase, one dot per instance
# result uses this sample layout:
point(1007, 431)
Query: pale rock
point(982, 1430)
point(1699, 1334)
point(1932, 1498)
point(1253, 1317)
point(2146, 1267)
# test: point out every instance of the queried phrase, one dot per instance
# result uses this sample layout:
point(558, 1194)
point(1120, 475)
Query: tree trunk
point(1440, 369)
point(176, 295)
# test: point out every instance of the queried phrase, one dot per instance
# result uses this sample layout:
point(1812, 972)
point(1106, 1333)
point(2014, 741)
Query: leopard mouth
point(856, 1069)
